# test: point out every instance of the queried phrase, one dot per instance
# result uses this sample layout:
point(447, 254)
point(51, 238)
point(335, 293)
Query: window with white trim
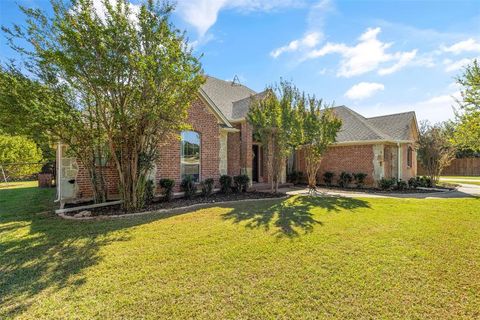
point(190, 155)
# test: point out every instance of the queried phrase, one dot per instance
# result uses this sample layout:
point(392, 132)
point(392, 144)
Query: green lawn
point(461, 179)
point(296, 258)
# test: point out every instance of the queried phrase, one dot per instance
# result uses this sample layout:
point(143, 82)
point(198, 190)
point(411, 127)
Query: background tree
point(319, 130)
point(467, 133)
point(19, 156)
point(276, 126)
point(131, 76)
point(435, 149)
point(16, 117)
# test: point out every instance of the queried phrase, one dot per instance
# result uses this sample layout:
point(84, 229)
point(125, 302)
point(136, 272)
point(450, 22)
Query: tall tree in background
point(19, 156)
point(276, 126)
point(319, 130)
point(467, 133)
point(127, 70)
point(435, 149)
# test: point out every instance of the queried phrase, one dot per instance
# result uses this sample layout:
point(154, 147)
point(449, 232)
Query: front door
point(255, 163)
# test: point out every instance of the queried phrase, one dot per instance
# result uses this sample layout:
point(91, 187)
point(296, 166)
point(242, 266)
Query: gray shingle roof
point(355, 127)
point(225, 93)
point(397, 125)
point(233, 100)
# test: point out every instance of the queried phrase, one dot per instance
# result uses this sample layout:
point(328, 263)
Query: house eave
point(362, 142)
point(214, 108)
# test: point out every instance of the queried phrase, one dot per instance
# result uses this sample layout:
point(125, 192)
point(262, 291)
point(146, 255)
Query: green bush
point(359, 179)
point(188, 186)
point(401, 185)
point(207, 187)
point(345, 179)
point(149, 191)
point(167, 188)
point(241, 182)
point(413, 183)
point(328, 178)
point(387, 184)
point(295, 177)
point(19, 156)
point(225, 184)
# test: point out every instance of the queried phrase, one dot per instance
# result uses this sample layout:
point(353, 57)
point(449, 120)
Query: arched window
point(190, 155)
point(409, 156)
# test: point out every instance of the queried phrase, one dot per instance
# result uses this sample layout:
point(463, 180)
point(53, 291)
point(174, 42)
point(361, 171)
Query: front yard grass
point(297, 258)
point(461, 180)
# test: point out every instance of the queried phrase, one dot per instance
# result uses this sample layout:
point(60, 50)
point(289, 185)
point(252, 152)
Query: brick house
point(221, 142)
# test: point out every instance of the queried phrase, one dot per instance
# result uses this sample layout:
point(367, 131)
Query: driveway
point(464, 191)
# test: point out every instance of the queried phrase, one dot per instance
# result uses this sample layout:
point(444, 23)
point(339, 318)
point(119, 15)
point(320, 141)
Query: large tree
point(467, 133)
point(319, 127)
point(276, 126)
point(19, 157)
point(127, 70)
point(435, 149)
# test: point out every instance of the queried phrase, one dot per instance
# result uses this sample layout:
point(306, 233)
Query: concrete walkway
point(464, 191)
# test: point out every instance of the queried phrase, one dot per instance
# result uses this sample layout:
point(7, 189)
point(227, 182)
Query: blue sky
point(377, 57)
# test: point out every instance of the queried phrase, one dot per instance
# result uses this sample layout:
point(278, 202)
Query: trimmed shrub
point(328, 178)
point(359, 179)
point(413, 183)
point(167, 188)
point(225, 184)
point(188, 187)
point(345, 179)
point(386, 184)
point(295, 177)
point(241, 182)
point(149, 191)
point(401, 185)
point(207, 187)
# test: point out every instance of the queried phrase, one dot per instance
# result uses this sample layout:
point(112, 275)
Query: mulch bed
point(178, 203)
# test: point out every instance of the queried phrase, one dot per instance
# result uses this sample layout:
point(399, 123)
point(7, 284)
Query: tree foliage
point(319, 128)
point(435, 149)
point(275, 124)
point(467, 133)
point(19, 156)
point(127, 78)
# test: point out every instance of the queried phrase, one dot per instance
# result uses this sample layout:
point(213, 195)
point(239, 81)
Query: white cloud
point(404, 58)
point(451, 66)
point(363, 90)
point(368, 55)
point(469, 45)
point(310, 40)
point(99, 7)
point(202, 14)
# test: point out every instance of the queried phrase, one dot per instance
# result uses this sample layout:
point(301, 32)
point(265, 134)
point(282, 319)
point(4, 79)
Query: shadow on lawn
point(292, 216)
point(43, 253)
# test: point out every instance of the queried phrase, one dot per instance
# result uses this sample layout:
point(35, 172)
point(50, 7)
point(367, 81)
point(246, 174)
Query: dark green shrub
point(401, 185)
point(345, 179)
point(359, 179)
point(225, 184)
point(295, 177)
point(207, 187)
point(413, 183)
point(149, 191)
point(167, 188)
point(328, 178)
point(241, 182)
point(188, 186)
point(386, 184)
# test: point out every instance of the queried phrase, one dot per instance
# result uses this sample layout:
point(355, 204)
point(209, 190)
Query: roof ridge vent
point(236, 81)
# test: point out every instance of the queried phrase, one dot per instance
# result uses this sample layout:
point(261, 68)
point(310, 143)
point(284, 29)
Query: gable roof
point(223, 94)
point(231, 102)
point(357, 128)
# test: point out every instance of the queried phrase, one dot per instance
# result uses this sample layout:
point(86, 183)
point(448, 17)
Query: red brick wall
point(84, 185)
point(204, 122)
point(352, 159)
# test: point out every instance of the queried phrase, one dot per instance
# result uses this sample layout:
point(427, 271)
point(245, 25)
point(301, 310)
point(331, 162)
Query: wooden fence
point(458, 167)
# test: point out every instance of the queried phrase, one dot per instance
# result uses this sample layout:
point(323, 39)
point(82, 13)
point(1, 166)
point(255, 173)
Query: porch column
point(246, 154)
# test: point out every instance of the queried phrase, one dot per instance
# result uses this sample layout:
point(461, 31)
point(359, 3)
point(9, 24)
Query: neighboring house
point(221, 142)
